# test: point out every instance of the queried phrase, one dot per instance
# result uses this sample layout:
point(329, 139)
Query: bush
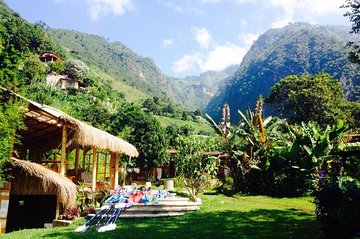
point(337, 201)
point(226, 187)
point(72, 213)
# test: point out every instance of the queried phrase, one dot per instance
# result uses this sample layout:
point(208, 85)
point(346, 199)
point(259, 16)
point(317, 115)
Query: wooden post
point(105, 166)
point(97, 165)
point(77, 159)
point(112, 170)
point(63, 150)
point(94, 167)
point(84, 156)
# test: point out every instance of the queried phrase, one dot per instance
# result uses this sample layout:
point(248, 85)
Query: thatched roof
point(45, 122)
point(34, 179)
point(87, 135)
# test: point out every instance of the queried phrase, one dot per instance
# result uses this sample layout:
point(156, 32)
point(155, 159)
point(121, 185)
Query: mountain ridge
point(299, 48)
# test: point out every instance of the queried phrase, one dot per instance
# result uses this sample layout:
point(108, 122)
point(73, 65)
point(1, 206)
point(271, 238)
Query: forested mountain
point(296, 49)
point(195, 92)
point(115, 59)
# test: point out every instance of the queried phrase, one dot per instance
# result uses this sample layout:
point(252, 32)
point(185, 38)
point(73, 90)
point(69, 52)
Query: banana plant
point(252, 129)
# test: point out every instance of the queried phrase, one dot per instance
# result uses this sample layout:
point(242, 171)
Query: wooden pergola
point(48, 128)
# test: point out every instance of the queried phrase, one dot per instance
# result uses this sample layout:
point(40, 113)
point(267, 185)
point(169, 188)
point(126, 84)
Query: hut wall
point(4, 205)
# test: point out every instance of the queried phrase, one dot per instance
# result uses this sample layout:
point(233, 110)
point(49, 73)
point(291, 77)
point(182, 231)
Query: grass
point(219, 217)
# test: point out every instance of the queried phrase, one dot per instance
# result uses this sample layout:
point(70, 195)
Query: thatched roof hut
point(85, 134)
point(49, 129)
point(45, 119)
point(34, 179)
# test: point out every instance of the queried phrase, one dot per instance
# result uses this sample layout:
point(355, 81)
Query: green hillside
point(131, 94)
point(115, 59)
point(296, 49)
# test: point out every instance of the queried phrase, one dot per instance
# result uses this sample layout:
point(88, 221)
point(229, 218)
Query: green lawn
point(219, 217)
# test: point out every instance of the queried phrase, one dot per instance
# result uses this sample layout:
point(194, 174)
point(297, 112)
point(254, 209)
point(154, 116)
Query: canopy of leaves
point(316, 98)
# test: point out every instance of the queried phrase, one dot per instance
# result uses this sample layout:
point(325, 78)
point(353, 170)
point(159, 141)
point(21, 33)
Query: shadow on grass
point(261, 223)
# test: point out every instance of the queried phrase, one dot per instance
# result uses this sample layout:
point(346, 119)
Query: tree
point(33, 70)
point(58, 66)
point(11, 113)
point(229, 145)
point(193, 164)
point(144, 131)
point(76, 69)
point(353, 7)
point(306, 98)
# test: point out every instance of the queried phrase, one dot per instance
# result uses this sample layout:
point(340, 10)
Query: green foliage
point(57, 66)
point(227, 187)
point(316, 98)
point(337, 197)
point(193, 164)
point(76, 69)
point(116, 60)
point(161, 107)
point(32, 69)
point(20, 42)
point(11, 120)
point(144, 131)
point(245, 145)
point(298, 155)
point(186, 127)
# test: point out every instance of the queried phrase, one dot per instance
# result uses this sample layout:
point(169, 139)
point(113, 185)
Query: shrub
point(337, 199)
point(72, 213)
point(226, 187)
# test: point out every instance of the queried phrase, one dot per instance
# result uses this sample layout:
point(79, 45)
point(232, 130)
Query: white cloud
point(217, 59)
point(99, 8)
point(248, 38)
point(187, 63)
point(167, 42)
point(202, 36)
point(304, 9)
point(222, 56)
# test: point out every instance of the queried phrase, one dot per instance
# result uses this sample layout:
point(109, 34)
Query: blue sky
point(184, 37)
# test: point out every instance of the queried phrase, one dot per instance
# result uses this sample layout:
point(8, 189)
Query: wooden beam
point(63, 150)
point(67, 162)
point(112, 170)
point(94, 167)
